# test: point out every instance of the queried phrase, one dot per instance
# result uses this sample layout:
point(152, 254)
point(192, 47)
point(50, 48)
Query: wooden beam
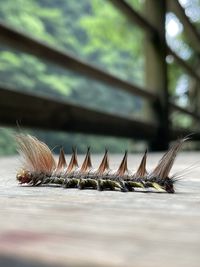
point(194, 115)
point(156, 70)
point(43, 51)
point(184, 64)
point(47, 113)
point(135, 17)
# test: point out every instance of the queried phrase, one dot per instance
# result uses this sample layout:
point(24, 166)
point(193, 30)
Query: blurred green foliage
point(91, 30)
point(98, 33)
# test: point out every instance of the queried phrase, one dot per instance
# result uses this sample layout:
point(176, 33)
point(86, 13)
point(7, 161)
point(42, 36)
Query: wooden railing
point(37, 111)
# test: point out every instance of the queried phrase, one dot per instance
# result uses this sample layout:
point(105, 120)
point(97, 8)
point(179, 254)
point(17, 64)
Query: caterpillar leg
point(87, 184)
point(111, 185)
point(70, 183)
point(123, 186)
point(100, 185)
point(131, 185)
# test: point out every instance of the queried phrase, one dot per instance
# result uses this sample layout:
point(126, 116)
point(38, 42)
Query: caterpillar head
point(169, 185)
point(24, 177)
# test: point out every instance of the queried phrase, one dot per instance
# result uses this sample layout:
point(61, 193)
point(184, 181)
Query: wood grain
point(46, 226)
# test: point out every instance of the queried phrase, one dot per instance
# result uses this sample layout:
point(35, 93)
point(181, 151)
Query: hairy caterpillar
point(40, 168)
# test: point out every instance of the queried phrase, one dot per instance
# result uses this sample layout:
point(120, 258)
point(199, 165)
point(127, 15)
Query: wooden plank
point(59, 227)
point(41, 50)
point(47, 113)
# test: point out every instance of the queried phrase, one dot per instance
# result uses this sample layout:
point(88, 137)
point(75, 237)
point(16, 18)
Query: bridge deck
point(57, 227)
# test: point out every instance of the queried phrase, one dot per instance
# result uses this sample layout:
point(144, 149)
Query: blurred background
point(125, 41)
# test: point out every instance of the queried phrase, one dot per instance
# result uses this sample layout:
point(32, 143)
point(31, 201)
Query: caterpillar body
point(40, 168)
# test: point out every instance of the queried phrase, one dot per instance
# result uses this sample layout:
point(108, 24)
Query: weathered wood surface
point(58, 227)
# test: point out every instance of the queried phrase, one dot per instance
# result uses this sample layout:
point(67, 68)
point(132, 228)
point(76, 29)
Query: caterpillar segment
point(40, 168)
